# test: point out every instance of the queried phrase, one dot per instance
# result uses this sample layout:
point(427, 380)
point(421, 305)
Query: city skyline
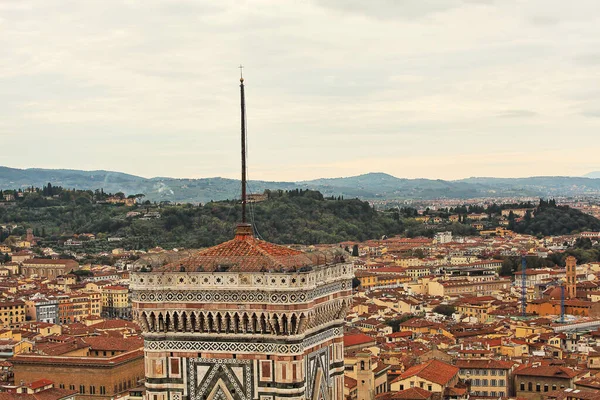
point(416, 89)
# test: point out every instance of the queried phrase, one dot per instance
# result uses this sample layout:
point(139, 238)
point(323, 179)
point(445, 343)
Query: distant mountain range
point(595, 175)
point(370, 186)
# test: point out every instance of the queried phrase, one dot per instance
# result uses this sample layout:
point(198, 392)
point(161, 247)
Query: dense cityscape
point(290, 269)
point(490, 313)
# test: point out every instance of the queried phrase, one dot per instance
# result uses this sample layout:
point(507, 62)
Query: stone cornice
point(265, 281)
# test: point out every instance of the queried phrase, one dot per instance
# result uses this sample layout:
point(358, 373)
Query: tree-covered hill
point(297, 216)
point(549, 219)
point(378, 186)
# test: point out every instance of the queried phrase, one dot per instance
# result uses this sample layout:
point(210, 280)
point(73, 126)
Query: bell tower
point(364, 377)
point(571, 277)
point(244, 320)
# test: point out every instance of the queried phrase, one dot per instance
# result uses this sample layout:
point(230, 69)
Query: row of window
point(381, 388)
point(484, 372)
point(538, 387)
point(421, 385)
point(17, 319)
point(485, 394)
point(484, 382)
point(102, 389)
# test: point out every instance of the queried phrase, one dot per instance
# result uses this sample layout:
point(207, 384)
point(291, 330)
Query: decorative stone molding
point(243, 347)
point(240, 322)
point(285, 281)
point(160, 295)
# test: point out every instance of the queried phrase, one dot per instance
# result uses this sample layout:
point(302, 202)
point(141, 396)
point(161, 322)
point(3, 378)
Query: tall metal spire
point(243, 127)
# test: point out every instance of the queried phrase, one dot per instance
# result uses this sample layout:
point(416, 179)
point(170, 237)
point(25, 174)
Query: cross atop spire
point(241, 67)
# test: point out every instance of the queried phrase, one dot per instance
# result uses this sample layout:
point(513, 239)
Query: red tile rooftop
point(40, 383)
point(481, 364)
point(349, 382)
point(433, 370)
point(42, 261)
point(356, 339)
point(545, 371)
point(414, 393)
point(246, 253)
point(115, 287)
point(29, 358)
point(417, 323)
point(48, 394)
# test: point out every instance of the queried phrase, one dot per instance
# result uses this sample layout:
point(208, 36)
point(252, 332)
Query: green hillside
point(298, 216)
point(550, 219)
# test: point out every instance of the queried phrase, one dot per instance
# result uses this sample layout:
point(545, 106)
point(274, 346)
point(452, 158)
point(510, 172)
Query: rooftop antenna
point(243, 129)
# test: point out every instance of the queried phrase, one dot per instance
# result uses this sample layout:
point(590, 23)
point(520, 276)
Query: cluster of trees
point(466, 209)
point(395, 323)
point(297, 216)
point(548, 219)
point(445, 309)
point(302, 216)
point(583, 250)
point(292, 216)
point(50, 195)
point(513, 264)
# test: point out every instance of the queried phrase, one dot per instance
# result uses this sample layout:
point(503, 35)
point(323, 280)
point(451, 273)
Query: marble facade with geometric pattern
point(245, 320)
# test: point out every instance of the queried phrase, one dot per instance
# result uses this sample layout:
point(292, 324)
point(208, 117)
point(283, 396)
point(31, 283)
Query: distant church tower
point(365, 377)
point(244, 320)
point(30, 238)
point(571, 277)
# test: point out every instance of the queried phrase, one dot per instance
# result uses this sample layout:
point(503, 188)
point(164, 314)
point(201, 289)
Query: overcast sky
point(415, 88)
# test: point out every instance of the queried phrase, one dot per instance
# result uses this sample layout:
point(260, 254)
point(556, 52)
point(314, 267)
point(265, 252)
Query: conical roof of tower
point(243, 253)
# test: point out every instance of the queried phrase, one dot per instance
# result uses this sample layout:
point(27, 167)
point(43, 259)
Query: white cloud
point(150, 87)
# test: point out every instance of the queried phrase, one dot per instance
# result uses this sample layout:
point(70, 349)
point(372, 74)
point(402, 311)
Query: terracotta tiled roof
point(48, 394)
point(591, 383)
point(414, 393)
point(243, 253)
point(114, 324)
point(484, 364)
point(45, 360)
point(417, 323)
point(432, 370)
point(40, 383)
point(45, 261)
point(456, 391)
point(400, 334)
point(113, 344)
point(547, 371)
point(349, 382)
point(356, 339)
point(563, 394)
point(57, 349)
point(115, 287)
